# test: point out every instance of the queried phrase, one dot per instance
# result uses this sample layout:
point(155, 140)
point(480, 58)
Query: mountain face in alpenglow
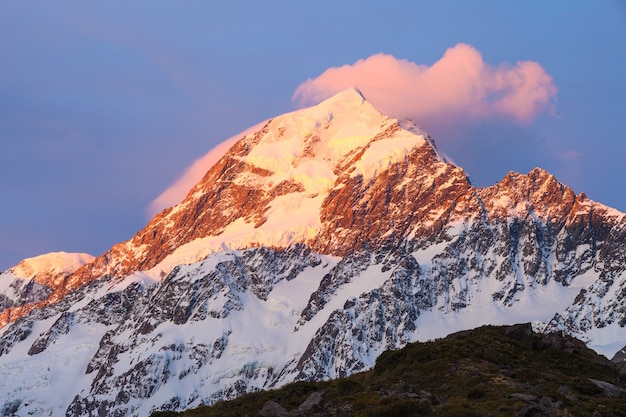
point(33, 279)
point(321, 240)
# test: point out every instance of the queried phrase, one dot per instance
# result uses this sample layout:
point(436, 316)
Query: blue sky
point(103, 105)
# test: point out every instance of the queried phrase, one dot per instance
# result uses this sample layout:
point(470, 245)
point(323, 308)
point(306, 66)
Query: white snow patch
point(52, 263)
point(383, 153)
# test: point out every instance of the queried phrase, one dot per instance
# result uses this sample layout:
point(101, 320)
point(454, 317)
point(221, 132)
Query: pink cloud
point(176, 192)
point(460, 85)
point(571, 155)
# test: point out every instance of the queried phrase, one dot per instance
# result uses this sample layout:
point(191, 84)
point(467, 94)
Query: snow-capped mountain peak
point(309, 146)
point(34, 279)
point(325, 237)
point(288, 169)
point(54, 263)
point(285, 170)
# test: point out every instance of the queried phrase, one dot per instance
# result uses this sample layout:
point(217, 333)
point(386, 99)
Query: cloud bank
point(460, 87)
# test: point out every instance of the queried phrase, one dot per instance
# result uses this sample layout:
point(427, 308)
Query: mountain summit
point(272, 189)
point(317, 242)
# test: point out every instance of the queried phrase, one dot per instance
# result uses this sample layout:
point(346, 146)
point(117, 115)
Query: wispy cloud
point(461, 86)
point(572, 155)
point(176, 192)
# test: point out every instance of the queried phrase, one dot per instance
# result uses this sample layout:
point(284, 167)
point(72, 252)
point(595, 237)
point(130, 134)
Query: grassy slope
point(489, 371)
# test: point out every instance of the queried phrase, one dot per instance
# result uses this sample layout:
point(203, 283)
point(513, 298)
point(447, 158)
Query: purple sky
point(103, 105)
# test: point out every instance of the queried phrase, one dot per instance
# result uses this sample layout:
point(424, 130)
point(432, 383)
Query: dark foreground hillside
point(489, 371)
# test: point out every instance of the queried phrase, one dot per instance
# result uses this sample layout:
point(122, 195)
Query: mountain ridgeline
point(330, 235)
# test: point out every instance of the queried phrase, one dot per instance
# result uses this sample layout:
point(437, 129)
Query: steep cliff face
point(329, 235)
